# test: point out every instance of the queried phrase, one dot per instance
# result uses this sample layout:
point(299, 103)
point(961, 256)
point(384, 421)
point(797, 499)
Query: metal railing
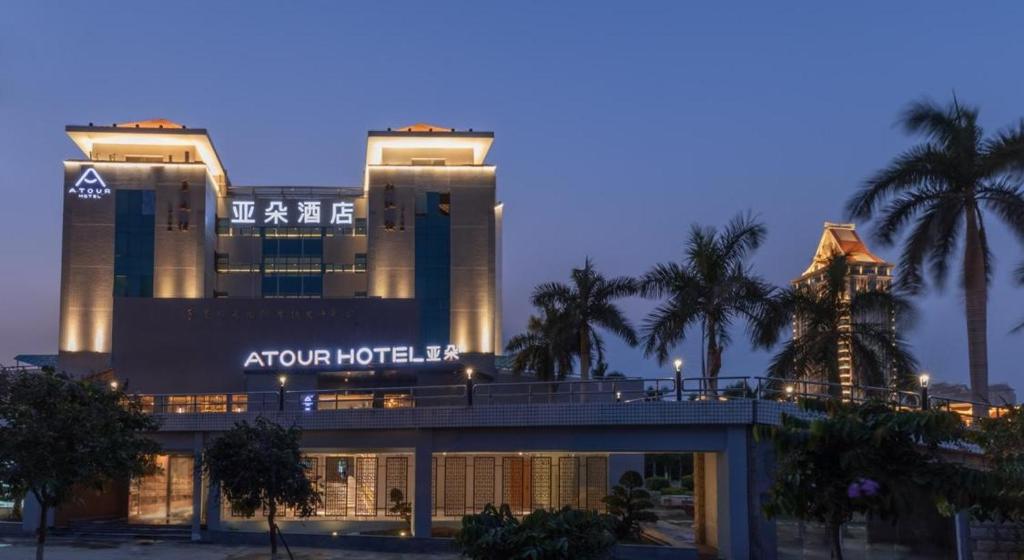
point(624, 391)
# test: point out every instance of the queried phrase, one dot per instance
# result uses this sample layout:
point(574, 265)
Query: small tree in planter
point(630, 505)
point(868, 459)
point(260, 468)
point(400, 507)
point(57, 434)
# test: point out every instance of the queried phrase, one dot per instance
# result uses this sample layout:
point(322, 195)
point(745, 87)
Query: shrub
point(656, 483)
point(675, 491)
point(686, 483)
point(542, 535)
point(630, 505)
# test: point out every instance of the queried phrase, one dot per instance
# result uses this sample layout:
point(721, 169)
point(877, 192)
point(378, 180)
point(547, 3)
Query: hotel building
point(174, 278)
point(356, 313)
point(865, 271)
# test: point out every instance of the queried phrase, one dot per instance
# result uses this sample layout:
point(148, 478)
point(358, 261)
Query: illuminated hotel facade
point(865, 271)
point(355, 313)
point(173, 278)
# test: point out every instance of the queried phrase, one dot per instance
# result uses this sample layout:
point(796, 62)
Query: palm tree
point(935, 192)
point(587, 303)
point(546, 348)
point(710, 289)
point(833, 317)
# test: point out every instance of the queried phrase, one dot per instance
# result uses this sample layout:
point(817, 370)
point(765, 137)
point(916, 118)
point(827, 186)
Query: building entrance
point(165, 496)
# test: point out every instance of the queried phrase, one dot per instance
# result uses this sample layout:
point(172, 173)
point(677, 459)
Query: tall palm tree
point(588, 303)
point(546, 348)
point(833, 317)
point(711, 288)
point(936, 192)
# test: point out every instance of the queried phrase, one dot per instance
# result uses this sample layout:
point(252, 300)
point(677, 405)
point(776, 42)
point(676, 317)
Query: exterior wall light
point(789, 392)
point(618, 396)
point(280, 393)
point(113, 385)
point(469, 386)
point(679, 379)
point(924, 379)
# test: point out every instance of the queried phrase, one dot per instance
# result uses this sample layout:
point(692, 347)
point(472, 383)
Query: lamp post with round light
point(280, 393)
point(469, 386)
point(924, 379)
point(679, 379)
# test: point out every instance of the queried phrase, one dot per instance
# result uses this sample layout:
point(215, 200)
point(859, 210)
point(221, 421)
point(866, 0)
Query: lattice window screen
point(568, 481)
point(541, 467)
point(512, 482)
point(455, 486)
point(483, 482)
point(366, 486)
point(597, 482)
point(396, 475)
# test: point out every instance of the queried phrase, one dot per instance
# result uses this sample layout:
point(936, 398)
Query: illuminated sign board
point(89, 185)
point(279, 212)
point(365, 356)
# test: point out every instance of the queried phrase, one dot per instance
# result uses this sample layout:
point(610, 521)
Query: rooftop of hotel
point(841, 239)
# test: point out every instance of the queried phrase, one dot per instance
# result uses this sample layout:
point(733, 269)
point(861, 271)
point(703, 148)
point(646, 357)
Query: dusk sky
point(616, 125)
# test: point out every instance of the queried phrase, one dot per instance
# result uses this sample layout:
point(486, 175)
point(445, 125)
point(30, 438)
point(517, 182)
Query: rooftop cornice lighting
point(86, 137)
point(479, 142)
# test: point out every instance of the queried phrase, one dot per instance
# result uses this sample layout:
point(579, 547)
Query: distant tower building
point(866, 271)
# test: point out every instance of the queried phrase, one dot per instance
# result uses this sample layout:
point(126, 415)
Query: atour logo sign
point(89, 185)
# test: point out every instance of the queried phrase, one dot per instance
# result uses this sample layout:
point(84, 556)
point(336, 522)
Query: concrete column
point(733, 510)
point(699, 500)
point(213, 508)
point(197, 485)
point(421, 506)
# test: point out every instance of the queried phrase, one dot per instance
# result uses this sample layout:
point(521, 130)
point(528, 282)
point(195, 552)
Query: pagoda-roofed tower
point(866, 271)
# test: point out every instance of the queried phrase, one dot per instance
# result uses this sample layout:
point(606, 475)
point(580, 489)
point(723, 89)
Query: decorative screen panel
point(396, 475)
point(568, 482)
point(366, 486)
point(454, 486)
point(512, 482)
point(483, 482)
point(336, 474)
point(311, 466)
point(541, 478)
point(433, 484)
point(597, 482)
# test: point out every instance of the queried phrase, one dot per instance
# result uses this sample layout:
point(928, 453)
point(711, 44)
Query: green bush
point(675, 491)
point(686, 483)
point(656, 483)
point(630, 505)
point(542, 535)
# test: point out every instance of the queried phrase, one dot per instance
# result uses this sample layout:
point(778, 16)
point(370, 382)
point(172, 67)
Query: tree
point(936, 192)
point(711, 288)
point(586, 304)
point(58, 434)
point(260, 468)
point(1002, 441)
point(546, 348)
point(868, 459)
point(834, 318)
point(630, 504)
point(400, 506)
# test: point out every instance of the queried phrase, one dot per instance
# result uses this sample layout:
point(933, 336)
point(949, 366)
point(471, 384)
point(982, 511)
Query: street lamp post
point(679, 379)
point(923, 379)
point(280, 393)
point(469, 386)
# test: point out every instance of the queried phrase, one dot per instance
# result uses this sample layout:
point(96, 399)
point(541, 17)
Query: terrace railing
point(625, 391)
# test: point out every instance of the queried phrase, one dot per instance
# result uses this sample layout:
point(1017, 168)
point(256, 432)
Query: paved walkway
point(11, 549)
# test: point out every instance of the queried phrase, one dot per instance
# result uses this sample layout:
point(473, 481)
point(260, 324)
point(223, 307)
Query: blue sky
point(617, 124)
